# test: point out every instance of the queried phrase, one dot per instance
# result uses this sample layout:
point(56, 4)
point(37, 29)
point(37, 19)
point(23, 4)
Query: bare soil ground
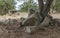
point(52, 31)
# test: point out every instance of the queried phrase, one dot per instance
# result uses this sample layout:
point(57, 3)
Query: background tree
point(57, 5)
point(27, 4)
point(6, 5)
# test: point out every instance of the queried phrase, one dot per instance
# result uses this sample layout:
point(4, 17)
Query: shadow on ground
point(13, 30)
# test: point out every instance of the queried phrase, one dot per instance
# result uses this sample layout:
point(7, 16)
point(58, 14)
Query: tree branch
point(46, 8)
point(41, 5)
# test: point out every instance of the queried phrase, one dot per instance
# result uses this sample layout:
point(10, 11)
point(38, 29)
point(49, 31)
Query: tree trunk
point(39, 19)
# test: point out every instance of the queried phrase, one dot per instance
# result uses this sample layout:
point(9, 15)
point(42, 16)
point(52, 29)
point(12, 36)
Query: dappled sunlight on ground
point(16, 16)
point(13, 16)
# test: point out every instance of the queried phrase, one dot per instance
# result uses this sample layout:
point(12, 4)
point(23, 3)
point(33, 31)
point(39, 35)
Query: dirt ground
point(15, 31)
